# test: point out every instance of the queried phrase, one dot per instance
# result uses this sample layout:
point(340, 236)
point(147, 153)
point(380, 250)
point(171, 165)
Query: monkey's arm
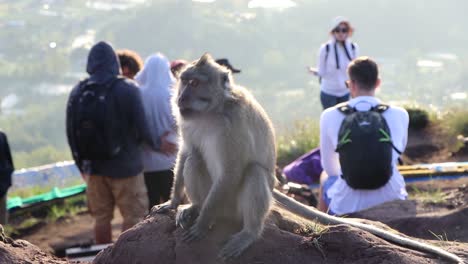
point(178, 188)
point(177, 193)
point(227, 178)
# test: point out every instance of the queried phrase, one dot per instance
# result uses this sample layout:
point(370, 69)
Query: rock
point(286, 239)
point(21, 251)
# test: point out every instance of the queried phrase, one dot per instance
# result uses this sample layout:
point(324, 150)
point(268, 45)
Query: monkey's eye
point(193, 82)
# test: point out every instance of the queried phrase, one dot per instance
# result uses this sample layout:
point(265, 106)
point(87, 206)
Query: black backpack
point(96, 130)
point(365, 147)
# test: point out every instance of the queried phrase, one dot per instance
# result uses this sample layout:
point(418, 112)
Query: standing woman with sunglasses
point(334, 57)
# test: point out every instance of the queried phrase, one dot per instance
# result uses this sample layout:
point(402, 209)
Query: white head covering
point(156, 83)
point(337, 21)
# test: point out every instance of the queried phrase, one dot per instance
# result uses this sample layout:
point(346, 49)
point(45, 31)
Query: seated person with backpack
point(360, 142)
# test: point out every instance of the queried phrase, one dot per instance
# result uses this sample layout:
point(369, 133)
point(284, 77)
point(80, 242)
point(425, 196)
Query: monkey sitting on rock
point(226, 164)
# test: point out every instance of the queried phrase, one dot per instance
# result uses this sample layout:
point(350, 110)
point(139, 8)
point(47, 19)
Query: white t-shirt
point(344, 199)
point(333, 79)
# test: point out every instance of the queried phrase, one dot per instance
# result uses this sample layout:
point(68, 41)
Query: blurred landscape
point(420, 46)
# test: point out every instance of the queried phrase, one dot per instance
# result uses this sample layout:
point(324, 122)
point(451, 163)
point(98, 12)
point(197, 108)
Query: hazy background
point(421, 46)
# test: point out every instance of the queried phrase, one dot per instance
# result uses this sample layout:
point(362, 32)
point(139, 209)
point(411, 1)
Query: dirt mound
point(21, 251)
point(410, 218)
point(286, 239)
point(442, 219)
point(430, 145)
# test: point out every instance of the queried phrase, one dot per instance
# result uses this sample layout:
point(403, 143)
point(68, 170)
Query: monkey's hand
point(196, 232)
point(165, 207)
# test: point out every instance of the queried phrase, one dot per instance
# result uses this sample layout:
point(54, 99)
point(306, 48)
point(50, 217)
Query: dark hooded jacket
point(103, 67)
point(6, 165)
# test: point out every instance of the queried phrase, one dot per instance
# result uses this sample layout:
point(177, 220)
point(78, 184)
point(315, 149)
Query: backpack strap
point(327, 51)
point(82, 84)
point(345, 108)
point(347, 52)
point(107, 84)
point(111, 83)
point(353, 47)
point(337, 60)
point(380, 108)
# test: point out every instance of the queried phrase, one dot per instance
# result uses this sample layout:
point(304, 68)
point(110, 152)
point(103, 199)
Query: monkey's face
point(202, 88)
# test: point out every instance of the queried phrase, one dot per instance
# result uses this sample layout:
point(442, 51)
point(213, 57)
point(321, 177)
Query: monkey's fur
point(226, 163)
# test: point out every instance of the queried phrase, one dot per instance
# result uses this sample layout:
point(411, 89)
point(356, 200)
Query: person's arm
point(321, 63)
point(168, 145)
point(8, 154)
point(356, 50)
point(329, 158)
point(137, 114)
point(69, 128)
point(405, 123)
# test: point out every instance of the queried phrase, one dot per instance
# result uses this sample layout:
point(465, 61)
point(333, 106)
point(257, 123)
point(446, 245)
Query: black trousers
point(158, 184)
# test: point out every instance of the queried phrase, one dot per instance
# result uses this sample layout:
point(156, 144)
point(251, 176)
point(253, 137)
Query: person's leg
point(327, 100)
point(167, 179)
point(152, 188)
point(324, 200)
point(103, 232)
point(131, 199)
point(101, 207)
point(322, 204)
point(3, 210)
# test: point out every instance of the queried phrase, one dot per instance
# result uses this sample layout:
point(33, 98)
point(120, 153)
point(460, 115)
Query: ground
point(429, 145)
point(437, 211)
point(68, 232)
point(286, 239)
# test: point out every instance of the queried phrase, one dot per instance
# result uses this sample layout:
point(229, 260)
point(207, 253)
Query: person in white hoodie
point(333, 59)
point(155, 81)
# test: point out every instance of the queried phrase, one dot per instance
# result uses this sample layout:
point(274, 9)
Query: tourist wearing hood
point(115, 179)
point(155, 82)
point(333, 59)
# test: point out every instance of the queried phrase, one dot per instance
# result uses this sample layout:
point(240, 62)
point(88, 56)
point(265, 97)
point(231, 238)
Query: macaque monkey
point(226, 163)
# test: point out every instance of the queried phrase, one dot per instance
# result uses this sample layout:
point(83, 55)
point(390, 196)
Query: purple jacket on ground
point(305, 169)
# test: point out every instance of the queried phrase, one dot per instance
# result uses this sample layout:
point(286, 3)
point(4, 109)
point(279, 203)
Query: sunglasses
point(341, 29)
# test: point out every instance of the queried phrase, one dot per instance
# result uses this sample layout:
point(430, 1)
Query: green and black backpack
point(365, 147)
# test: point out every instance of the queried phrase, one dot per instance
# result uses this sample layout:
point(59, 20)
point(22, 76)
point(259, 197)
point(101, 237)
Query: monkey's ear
point(204, 59)
point(227, 84)
point(226, 80)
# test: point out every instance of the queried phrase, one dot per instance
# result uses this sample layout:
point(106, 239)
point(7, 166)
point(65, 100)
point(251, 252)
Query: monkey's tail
point(313, 214)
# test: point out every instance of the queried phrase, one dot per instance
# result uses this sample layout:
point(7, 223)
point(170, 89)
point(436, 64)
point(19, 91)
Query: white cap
point(337, 21)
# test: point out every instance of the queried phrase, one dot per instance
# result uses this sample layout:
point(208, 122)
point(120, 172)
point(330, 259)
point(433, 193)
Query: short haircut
point(365, 72)
point(131, 60)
